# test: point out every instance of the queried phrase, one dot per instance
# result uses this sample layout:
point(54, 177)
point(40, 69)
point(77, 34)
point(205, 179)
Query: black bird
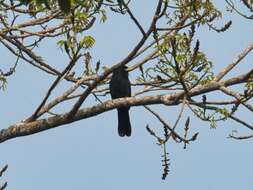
point(120, 87)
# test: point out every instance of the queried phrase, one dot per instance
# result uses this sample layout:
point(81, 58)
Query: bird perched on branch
point(119, 88)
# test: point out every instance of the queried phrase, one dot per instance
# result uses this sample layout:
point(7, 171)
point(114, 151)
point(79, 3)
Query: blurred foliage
point(3, 82)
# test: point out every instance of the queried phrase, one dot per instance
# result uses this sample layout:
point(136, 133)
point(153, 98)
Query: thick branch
point(23, 129)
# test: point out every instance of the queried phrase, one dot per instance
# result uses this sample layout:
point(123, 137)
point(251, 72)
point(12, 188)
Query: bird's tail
point(124, 126)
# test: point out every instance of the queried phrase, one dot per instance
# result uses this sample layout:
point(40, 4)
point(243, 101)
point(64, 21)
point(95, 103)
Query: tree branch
point(23, 128)
point(123, 62)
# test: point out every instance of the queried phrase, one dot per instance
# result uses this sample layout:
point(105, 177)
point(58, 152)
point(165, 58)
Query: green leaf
point(87, 42)
point(3, 82)
point(61, 43)
point(103, 16)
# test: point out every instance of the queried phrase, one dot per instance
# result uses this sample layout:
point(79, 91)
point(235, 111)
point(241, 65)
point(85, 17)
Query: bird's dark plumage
point(120, 87)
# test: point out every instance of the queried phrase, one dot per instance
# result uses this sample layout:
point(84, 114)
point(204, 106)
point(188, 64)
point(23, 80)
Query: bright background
point(89, 154)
